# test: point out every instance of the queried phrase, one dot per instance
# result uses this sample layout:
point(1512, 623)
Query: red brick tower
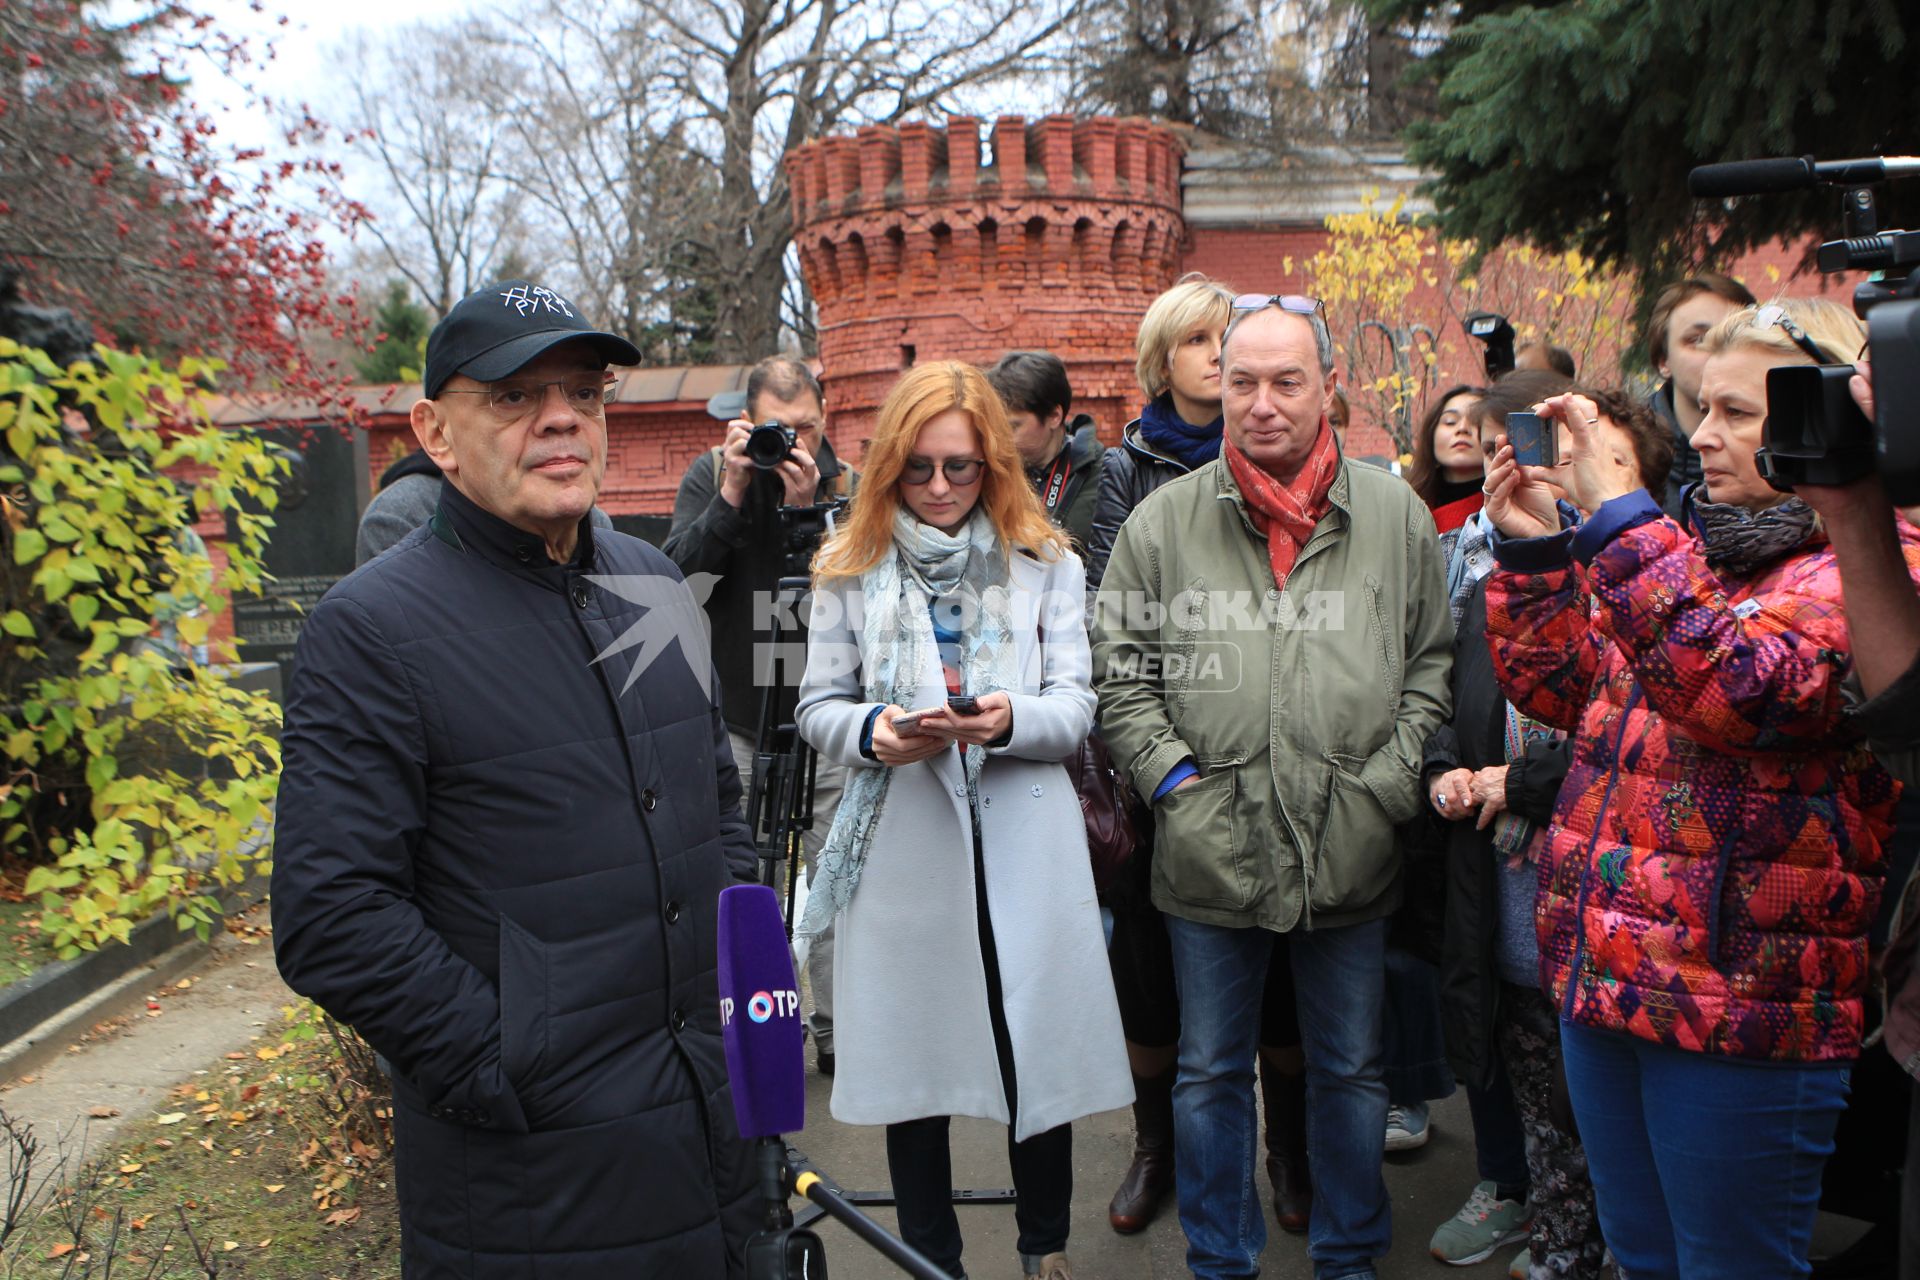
point(917, 250)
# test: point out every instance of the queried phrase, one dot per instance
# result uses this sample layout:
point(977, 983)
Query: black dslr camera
point(770, 444)
point(1815, 433)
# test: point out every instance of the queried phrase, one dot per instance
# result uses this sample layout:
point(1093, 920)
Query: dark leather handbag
point(1106, 802)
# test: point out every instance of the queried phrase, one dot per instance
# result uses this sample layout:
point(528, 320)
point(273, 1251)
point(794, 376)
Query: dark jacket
point(1686, 459)
point(502, 866)
point(1073, 509)
point(1476, 739)
point(743, 548)
point(1128, 473)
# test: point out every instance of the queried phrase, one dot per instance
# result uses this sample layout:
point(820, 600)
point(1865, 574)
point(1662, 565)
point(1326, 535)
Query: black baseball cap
point(499, 329)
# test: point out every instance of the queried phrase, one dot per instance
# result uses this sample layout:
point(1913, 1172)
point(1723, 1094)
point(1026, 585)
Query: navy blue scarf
point(1174, 436)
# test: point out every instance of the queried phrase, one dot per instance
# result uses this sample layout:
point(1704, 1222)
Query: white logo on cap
point(525, 298)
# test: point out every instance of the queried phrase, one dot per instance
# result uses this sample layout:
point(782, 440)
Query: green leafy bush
point(132, 780)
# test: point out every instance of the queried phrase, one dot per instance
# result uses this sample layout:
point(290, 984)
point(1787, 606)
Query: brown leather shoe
point(1286, 1104)
point(1150, 1177)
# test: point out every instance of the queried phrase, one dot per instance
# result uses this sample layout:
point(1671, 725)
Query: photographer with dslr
point(1716, 853)
point(727, 523)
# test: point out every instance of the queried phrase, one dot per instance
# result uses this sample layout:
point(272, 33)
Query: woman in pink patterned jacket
point(1716, 853)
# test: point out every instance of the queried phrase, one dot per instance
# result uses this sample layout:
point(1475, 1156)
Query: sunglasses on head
point(1769, 316)
point(1298, 303)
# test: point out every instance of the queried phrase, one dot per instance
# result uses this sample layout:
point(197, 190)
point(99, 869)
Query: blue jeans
point(1339, 980)
point(1704, 1166)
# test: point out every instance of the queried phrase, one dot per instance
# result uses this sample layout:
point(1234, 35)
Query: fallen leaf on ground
point(341, 1217)
point(130, 1168)
point(275, 1188)
point(103, 1113)
point(60, 1251)
point(231, 1244)
point(236, 1055)
point(266, 1242)
point(172, 1117)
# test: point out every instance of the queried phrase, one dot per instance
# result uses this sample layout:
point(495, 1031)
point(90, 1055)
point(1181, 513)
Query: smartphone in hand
point(1536, 443)
point(964, 706)
point(907, 723)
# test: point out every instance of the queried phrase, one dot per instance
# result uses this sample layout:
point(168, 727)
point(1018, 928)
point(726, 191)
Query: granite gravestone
point(311, 544)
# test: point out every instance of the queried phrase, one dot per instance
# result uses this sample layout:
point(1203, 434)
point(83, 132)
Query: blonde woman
point(969, 975)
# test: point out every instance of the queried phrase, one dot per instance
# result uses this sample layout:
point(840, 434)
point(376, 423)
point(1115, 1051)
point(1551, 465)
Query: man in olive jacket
point(507, 812)
point(1272, 652)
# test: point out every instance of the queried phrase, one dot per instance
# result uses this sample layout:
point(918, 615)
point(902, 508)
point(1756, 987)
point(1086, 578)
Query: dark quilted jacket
point(1717, 851)
point(503, 870)
point(1128, 473)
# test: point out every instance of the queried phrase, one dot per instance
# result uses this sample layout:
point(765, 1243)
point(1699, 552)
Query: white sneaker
point(1408, 1128)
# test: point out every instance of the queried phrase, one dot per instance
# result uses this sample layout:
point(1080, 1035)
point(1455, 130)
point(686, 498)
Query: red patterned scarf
point(1286, 513)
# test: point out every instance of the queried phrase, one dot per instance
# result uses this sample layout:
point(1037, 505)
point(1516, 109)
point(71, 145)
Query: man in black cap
point(507, 810)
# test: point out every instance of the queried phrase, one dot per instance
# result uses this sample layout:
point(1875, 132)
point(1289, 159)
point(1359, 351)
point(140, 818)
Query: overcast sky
point(299, 71)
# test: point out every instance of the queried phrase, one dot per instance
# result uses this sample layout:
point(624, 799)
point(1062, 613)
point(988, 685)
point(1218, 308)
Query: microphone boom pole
point(887, 1245)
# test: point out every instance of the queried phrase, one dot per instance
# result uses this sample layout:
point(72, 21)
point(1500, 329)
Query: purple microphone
point(760, 1014)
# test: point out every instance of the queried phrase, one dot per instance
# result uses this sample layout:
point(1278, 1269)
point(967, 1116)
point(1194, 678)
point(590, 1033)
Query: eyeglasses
point(1769, 316)
point(1297, 303)
point(959, 471)
point(587, 394)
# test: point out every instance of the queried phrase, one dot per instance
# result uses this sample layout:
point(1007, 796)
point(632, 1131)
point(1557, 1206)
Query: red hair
point(923, 393)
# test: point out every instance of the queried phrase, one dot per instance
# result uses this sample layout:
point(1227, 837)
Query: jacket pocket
point(1353, 863)
point(524, 1004)
point(1195, 845)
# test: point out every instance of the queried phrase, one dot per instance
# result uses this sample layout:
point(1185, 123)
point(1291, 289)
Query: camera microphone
point(1794, 173)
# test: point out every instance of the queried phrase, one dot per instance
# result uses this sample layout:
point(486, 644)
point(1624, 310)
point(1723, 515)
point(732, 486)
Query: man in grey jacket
point(1272, 652)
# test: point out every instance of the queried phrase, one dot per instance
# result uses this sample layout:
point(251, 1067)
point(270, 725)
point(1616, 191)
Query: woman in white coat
point(970, 975)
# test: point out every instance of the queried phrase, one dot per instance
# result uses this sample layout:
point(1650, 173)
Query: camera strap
point(1055, 486)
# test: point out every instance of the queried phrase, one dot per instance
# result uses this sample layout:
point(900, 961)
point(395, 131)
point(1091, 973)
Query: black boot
point(1150, 1176)
point(1286, 1105)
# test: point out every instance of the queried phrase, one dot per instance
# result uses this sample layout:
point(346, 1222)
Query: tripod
point(780, 799)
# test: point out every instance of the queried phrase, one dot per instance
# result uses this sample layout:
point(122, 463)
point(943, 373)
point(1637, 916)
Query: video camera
point(1815, 433)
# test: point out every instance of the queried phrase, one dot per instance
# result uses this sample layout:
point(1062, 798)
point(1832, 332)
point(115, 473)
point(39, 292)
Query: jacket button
point(523, 553)
point(581, 595)
point(481, 1117)
point(1038, 790)
point(438, 1113)
point(961, 792)
point(673, 913)
point(648, 799)
point(679, 1020)
point(985, 801)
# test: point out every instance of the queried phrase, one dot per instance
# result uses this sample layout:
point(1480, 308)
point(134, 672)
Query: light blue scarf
point(968, 573)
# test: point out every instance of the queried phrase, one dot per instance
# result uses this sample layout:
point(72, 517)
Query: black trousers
point(920, 1161)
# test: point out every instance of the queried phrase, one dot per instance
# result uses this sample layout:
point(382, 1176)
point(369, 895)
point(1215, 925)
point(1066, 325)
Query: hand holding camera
point(768, 446)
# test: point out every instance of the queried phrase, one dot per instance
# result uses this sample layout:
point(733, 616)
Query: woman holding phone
point(970, 976)
point(1717, 850)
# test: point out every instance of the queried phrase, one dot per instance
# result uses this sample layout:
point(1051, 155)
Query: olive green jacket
point(1305, 713)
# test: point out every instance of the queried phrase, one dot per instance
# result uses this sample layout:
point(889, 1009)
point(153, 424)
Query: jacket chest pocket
point(1197, 846)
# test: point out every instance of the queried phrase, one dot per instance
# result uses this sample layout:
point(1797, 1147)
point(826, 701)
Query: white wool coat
point(910, 1025)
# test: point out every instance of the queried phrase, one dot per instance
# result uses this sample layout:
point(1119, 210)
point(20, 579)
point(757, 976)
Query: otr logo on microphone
point(762, 1005)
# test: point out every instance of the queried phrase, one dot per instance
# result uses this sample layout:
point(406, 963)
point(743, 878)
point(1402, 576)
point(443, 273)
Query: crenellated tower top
point(926, 242)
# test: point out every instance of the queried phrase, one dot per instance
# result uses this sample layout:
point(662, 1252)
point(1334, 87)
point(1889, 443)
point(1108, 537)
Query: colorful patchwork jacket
point(1717, 850)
